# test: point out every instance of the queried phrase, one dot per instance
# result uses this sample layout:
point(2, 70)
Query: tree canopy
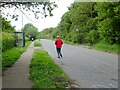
point(44, 8)
point(30, 31)
point(6, 26)
point(45, 33)
point(90, 22)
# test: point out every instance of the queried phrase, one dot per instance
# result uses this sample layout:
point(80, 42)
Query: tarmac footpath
point(17, 76)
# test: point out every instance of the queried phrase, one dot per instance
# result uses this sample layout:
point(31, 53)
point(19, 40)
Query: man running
point(58, 43)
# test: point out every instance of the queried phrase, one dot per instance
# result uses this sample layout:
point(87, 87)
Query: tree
point(46, 33)
point(94, 21)
point(35, 7)
point(6, 26)
point(79, 17)
point(109, 21)
point(30, 31)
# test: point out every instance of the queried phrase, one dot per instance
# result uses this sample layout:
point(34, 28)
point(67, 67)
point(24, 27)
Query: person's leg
point(58, 52)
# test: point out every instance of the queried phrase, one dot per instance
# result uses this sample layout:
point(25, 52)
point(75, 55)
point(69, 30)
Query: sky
point(41, 23)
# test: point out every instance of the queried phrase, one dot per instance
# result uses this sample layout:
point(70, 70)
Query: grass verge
point(45, 73)
point(107, 47)
point(37, 43)
point(10, 56)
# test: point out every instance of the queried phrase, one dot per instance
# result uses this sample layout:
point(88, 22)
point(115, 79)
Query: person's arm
point(61, 42)
point(55, 42)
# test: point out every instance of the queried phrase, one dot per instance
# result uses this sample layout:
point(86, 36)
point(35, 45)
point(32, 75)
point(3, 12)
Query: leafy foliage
point(46, 33)
point(8, 41)
point(92, 37)
point(6, 26)
point(109, 21)
point(44, 8)
point(30, 31)
point(90, 22)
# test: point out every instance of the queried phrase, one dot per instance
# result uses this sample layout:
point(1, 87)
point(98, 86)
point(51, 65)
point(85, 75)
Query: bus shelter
point(19, 39)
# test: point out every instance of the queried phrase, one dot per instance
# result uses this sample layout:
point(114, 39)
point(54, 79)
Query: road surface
point(88, 68)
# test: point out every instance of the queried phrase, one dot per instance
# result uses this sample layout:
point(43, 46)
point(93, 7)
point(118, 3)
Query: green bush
point(27, 39)
point(92, 37)
point(8, 41)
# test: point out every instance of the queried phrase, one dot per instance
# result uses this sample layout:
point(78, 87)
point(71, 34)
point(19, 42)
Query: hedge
point(8, 41)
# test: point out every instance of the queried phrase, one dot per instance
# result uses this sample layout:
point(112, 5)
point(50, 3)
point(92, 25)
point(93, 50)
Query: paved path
point(89, 68)
point(17, 76)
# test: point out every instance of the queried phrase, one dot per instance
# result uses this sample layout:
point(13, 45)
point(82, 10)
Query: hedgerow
point(8, 41)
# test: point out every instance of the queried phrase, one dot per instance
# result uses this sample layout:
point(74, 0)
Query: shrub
point(92, 37)
point(8, 41)
point(27, 39)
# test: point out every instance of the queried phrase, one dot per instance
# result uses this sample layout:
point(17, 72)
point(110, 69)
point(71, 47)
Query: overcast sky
point(42, 23)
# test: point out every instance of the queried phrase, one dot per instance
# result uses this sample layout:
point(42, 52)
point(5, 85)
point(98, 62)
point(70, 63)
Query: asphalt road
point(88, 68)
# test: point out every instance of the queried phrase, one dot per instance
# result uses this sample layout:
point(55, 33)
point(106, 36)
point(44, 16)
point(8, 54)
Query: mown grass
point(45, 73)
point(107, 47)
point(37, 43)
point(10, 56)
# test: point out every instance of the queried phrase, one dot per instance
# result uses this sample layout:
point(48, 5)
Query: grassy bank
point(10, 56)
point(103, 46)
point(37, 43)
point(45, 73)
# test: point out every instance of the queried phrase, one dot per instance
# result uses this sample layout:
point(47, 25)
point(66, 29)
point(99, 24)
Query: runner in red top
point(58, 43)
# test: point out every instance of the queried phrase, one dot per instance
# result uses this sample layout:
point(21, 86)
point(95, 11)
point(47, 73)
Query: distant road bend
point(89, 68)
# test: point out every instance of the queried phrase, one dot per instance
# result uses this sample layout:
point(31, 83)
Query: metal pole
point(23, 41)
point(22, 20)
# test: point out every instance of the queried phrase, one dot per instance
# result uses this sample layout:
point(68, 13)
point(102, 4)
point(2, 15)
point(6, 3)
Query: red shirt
point(58, 43)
